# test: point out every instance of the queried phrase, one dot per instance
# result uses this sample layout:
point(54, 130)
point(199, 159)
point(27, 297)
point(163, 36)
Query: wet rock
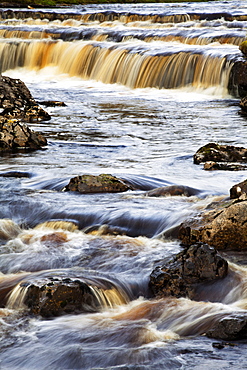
point(97, 184)
point(243, 47)
point(48, 294)
point(220, 153)
point(16, 102)
point(57, 297)
point(243, 104)
point(237, 84)
point(231, 327)
point(225, 227)
point(216, 166)
point(239, 190)
point(180, 275)
point(172, 190)
point(15, 135)
point(52, 103)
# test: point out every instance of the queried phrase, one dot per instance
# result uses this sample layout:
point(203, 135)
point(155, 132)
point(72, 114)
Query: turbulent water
point(145, 86)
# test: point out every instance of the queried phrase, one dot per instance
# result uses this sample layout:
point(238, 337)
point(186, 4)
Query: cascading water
point(145, 86)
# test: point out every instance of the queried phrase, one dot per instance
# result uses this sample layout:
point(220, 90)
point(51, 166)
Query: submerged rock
point(54, 296)
point(224, 228)
point(172, 190)
point(103, 183)
point(215, 166)
point(15, 135)
point(52, 103)
point(16, 102)
point(231, 327)
point(181, 275)
point(220, 153)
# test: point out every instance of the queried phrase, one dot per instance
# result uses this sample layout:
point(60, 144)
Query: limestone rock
point(96, 184)
point(231, 327)
point(15, 135)
point(220, 153)
point(180, 275)
point(224, 228)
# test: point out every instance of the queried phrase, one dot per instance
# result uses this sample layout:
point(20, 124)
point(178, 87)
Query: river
point(145, 86)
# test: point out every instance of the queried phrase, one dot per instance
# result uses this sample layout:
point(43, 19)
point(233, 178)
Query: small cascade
point(57, 292)
point(135, 67)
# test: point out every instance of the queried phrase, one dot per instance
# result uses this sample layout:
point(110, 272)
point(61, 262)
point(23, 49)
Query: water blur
point(145, 86)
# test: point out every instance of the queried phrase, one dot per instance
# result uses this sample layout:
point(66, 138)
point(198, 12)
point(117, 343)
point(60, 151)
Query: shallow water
point(145, 135)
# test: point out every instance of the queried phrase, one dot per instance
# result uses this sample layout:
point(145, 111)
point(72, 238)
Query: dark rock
point(216, 166)
point(172, 190)
point(231, 327)
point(220, 153)
point(239, 190)
point(52, 103)
point(225, 228)
point(237, 85)
point(17, 102)
point(54, 296)
point(15, 135)
point(243, 104)
point(180, 275)
point(96, 184)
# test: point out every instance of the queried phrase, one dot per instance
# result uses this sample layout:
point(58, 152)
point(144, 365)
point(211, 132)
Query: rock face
point(15, 135)
point(231, 327)
point(96, 184)
point(17, 106)
point(224, 228)
point(172, 190)
point(179, 276)
point(16, 101)
point(220, 153)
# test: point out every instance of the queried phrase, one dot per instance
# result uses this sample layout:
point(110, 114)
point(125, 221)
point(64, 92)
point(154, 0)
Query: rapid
point(145, 86)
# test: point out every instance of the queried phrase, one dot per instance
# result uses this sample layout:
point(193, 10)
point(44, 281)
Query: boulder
point(16, 102)
point(230, 327)
point(224, 228)
point(172, 190)
point(15, 135)
point(103, 183)
point(220, 153)
point(180, 275)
